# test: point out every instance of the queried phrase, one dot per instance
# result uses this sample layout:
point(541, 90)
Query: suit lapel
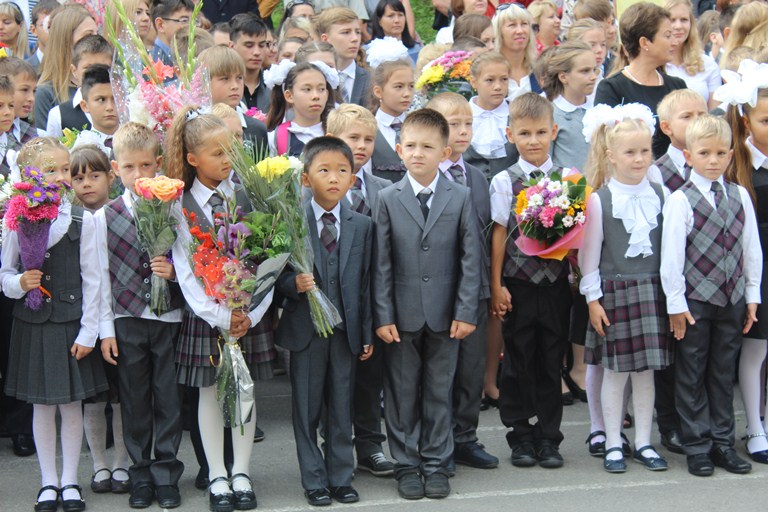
point(346, 237)
point(439, 202)
point(411, 204)
point(314, 237)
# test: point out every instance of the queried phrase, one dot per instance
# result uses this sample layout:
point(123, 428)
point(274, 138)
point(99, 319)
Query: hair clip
point(600, 115)
point(386, 49)
point(197, 112)
point(331, 75)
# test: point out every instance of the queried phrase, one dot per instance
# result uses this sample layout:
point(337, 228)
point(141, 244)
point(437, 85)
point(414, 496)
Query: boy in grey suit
point(322, 369)
point(426, 282)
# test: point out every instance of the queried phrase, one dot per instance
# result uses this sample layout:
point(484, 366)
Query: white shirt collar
point(306, 133)
point(566, 106)
point(3, 144)
point(677, 157)
point(705, 185)
point(367, 167)
point(203, 193)
point(386, 119)
point(319, 211)
point(39, 54)
point(638, 207)
point(418, 187)
point(758, 158)
point(77, 98)
point(501, 112)
point(528, 167)
point(350, 70)
point(447, 164)
point(17, 128)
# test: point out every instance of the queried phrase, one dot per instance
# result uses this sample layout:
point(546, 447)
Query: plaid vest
point(714, 258)
point(516, 264)
point(670, 174)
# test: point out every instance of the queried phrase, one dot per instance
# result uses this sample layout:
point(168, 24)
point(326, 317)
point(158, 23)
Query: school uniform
point(11, 143)
point(674, 171)
point(254, 131)
point(260, 97)
point(569, 148)
point(68, 115)
point(490, 150)
point(150, 404)
point(427, 267)
point(289, 138)
point(386, 163)
point(760, 186)
point(36, 60)
point(355, 84)
point(322, 369)
point(711, 265)
point(536, 328)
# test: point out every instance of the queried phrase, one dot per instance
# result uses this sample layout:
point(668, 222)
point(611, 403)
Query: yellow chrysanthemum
point(274, 167)
point(522, 203)
point(431, 75)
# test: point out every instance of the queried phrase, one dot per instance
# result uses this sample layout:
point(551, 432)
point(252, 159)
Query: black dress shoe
point(524, 455)
point(120, 486)
point(74, 505)
point(474, 455)
point(700, 465)
point(101, 486)
point(436, 486)
point(142, 495)
point(410, 486)
point(726, 457)
point(548, 455)
point(258, 435)
point(318, 497)
point(596, 449)
point(671, 441)
point(47, 505)
point(224, 502)
point(168, 496)
point(488, 402)
point(345, 494)
point(201, 480)
point(567, 398)
point(23, 445)
point(244, 500)
point(574, 388)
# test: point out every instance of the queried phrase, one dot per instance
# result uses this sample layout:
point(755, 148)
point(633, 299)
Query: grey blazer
point(425, 272)
point(295, 330)
point(385, 162)
point(481, 200)
point(362, 87)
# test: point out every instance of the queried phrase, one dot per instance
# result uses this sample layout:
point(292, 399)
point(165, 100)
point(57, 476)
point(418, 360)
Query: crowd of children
point(412, 199)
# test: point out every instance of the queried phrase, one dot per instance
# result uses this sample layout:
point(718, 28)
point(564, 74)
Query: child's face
point(610, 31)
point(134, 164)
point(87, 60)
point(515, 35)
point(86, 28)
point(142, 20)
point(488, 38)
point(631, 156)
point(709, 157)
point(582, 77)
point(221, 38)
point(757, 124)
point(421, 150)
point(329, 176)
point(596, 39)
point(549, 23)
point(7, 112)
point(392, 22)
point(684, 112)
point(9, 30)
point(227, 89)
point(92, 188)
point(491, 84)
point(24, 98)
point(345, 37)
point(211, 160)
point(532, 138)
point(289, 51)
point(360, 139)
point(40, 29)
point(460, 135)
point(176, 21)
point(271, 50)
point(100, 103)
point(55, 166)
point(253, 50)
point(235, 128)
point(324, 57)
point(308, 96)
point(397, 94)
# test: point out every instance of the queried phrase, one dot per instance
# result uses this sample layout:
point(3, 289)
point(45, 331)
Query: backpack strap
point(282, 138)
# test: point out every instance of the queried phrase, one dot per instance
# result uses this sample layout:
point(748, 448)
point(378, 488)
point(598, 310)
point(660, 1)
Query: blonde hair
point(482, 60)
point(732, 60)
point(331, 16)
point(581, 27)
point(515, 13)
point(224, 111)
point(707, 126)
point(598, 168)
point(301, 23)
point(21, 48)
point(222, 61)
point(537, 8)
point(33, 153)
point(130, 9)
point(749, 20)
point(429, 53)
point(531, 106)
point(58, 53)
point(184, 135)
point(560, 60)
point(692, 48)
point(340, 119)
point(449, 104)
point(203, 41)
point(133, 136)
point(668, 105)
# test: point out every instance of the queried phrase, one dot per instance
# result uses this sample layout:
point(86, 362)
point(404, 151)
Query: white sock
point(242, 446)
point(95, 425)
point(753, 353)
point(44, 430)
point(612, 397)
point(212, 434)
point(71, 444)
point(594, 383)
point(643, 398)
point(121, 459)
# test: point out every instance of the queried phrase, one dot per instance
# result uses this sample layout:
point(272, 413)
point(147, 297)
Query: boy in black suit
point(322, 369)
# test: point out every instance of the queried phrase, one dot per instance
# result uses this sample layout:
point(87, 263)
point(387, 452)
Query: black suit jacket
point(223, 10)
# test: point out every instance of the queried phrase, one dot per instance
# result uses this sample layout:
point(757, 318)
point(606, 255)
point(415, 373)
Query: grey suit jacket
point(361, 89)
point(425, 272)
point(385, 162)
point(481, 200)
point(295, 330)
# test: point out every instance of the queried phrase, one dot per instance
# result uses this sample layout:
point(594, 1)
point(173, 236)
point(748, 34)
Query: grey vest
point(331, 285)
point(670, 174)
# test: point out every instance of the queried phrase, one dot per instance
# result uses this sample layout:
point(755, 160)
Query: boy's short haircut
point(342, 118)
point(531, 106)
point(708, 126)
point(248, 24)
point(427, 119)
point(203, 41)
point(93, 44)
point(727, 15)
point(222, 61)
point(222, 26)
point(467, 44)
point(493, 57)
point(166, 8)
point(224, 111)
point(133, 136)
point(326, 143)
point(598, 10)
point(88, 156)
point(6, 85)
point(333, 16)
point(42, 9)
point(734, 57)
point(94, 75)
point(13, 67)
point(667, 106)
point(450, 104)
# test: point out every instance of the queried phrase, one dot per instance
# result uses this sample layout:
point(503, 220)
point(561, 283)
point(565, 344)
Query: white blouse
point(704, 82)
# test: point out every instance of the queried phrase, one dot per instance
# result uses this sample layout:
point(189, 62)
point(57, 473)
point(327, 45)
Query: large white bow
point(742, 87)
point(611, 116)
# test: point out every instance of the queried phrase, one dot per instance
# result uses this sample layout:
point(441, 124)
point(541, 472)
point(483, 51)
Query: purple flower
point(32, 173)
point(228, 237)
point(37, 194)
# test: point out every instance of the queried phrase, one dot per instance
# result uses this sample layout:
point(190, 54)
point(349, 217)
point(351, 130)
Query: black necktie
point(328, 233)
point(537, 174)
point(108, 142)
point(423, 197)
point(458, 174)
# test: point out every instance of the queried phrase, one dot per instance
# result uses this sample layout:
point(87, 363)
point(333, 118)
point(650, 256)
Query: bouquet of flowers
point(449, 73)
point(257, 114)
point(30, 211)
point(156, 228)
point(551, 212)
point(273, 186)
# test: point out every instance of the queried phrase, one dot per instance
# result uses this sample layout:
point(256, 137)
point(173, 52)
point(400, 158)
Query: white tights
point(594, 383)
point(96, 434)
point(753, 353)
point(643, 396)
point(44, 429)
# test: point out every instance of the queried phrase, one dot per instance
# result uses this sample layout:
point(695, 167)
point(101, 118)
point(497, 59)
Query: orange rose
point(165, 188)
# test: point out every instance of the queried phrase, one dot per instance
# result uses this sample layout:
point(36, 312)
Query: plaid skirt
point(638, 338)
point(198, 344)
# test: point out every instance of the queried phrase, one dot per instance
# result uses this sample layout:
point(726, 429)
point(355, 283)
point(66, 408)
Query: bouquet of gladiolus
point(449, 73)
point(273, 186)
point(156, 228)
point(30, 211)
point(551, 212)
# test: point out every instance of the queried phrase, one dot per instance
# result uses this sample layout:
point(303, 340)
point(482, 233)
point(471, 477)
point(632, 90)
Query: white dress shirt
point(303, 133)
point(517, 89)
point(319, 211)
point(489, 129)
point(53, 128)
point(758, 158)
point(704, 82)
point(107, 315)
point(418, 187)
point(385, 120)
point(89, 271)
point(348, 74)
point(678, 223)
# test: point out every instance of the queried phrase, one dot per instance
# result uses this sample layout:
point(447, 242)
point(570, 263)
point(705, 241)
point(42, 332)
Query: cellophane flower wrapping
point(551, 212)
point(448, 73)
point(156, 227)
point(273, 185)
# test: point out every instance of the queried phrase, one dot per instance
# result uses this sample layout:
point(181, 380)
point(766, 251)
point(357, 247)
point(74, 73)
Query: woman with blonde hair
point(142, 21)
point(14, 34)
point(546, 24)
point(513, 27)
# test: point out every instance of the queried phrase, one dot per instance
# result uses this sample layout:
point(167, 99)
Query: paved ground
point(581, 485)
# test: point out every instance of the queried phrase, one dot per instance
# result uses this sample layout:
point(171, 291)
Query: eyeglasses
point(184, 21)
point(504, 7)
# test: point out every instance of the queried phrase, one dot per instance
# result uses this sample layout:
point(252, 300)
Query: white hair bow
point(384, 50)
point(277, 73)
point(611, 116)
point(330, 74)
point(742, 87)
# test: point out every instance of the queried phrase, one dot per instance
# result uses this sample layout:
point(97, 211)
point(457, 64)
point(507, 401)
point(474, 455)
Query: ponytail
point(596, 168)
point(739, 171)
point(187, 132)
point(278, 105)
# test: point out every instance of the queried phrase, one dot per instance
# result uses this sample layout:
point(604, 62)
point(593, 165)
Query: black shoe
point(700, 465)
point(244, 500)
point(436, 486)
point(488, 402)
point(524, 455)
point(318, 497)
point(625, 446)
point(651, 463)
point(74, 505)
point(120, 486)
point(761, 457)
point(614, 465)
point(142, 495)
point(567, 398)
point(258, 435)
point(574, 388)
point(671, 441)
point(101, 486)
point(201, 480)
point(224, 502)
point(168, 496)
point(549, 456)
point(345, 494)
point(23, 445)
point(596, 449)
point(474, 455)
point(47, 505)
point(410, 486)
point(377, 465)
point(726, 457)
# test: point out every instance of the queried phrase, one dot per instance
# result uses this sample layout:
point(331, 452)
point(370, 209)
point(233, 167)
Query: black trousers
point(666, 412)
point(468, 382)
point(534, 333)
point(15, 415)
point(369, 384)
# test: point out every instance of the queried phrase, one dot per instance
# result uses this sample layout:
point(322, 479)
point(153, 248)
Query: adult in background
point(389, 20)
point(459, 8)
point(513, 27)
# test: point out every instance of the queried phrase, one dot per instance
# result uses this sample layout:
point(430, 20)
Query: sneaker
point(377, 465)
